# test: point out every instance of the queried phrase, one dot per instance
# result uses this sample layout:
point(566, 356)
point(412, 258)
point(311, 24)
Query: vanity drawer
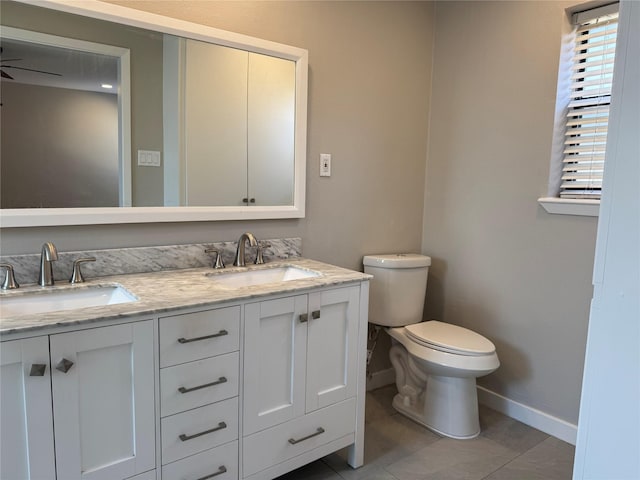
point(201, 429)
point(194, 384)
point(192, 336)
point(272, 446)
point(221, 461)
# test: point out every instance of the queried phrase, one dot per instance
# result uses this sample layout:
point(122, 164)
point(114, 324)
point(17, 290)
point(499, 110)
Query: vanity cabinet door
point(332, 357)
point(103, 402)
point(275, 338)
point(26, 442)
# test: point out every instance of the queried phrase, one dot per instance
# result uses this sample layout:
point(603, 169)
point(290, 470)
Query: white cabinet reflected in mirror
point(225, 113)
point(238, 113)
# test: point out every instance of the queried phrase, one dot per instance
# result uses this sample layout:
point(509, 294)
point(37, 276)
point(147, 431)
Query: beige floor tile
point(453, 459)
point(378, 403)
point(395, 437)
point(550, 460)
point(508, 432)
point(387, 440)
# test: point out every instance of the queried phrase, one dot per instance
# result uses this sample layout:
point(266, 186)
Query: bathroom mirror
point(245, 163)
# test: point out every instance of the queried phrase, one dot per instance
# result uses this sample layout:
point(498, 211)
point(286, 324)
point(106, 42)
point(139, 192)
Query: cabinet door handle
point(220, 426)
point(293, 441)
point(64, 365)
point(221, 333)
point(217, 382)
point(222, 469)
point(304, 317)
point(37, 370)
point(315, 314)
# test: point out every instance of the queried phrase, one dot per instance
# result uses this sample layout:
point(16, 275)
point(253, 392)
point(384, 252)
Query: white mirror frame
point(39, 217)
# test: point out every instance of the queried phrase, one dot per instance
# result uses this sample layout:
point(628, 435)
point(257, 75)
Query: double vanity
point(194, 373)
point(164, 364)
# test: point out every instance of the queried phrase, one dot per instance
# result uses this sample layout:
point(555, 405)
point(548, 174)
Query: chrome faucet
point(9, 282)
point(240, 260)
point(48, 256)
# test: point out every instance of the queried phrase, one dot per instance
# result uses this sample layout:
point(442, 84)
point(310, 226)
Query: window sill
point(569, 206)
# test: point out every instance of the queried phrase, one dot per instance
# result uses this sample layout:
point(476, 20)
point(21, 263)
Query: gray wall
point(59, 147)
point(503, 266)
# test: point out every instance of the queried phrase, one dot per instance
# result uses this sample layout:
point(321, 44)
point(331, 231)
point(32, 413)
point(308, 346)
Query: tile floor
point(399, 449)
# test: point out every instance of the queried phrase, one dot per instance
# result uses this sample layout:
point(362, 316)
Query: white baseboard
point(523, 413)
point(381, 379)
point(530, 416)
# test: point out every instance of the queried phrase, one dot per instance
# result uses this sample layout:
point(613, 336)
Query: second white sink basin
point(40, 301)
point(250, 278)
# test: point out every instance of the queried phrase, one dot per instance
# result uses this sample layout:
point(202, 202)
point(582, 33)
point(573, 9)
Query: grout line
point(504, 465)
point(516, 457)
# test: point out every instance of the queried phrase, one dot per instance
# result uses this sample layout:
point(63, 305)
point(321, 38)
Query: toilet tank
point(398, 287)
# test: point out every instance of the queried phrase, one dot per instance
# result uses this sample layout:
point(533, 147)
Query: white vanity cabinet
point(98, 391)
point(103, 403)
point(300, 376)
point(26, 444)
point(199, 385)
point(248, 387)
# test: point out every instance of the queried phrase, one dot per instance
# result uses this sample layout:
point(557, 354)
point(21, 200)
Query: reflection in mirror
point(239, 115)
point(225, 117)
point(59, 119)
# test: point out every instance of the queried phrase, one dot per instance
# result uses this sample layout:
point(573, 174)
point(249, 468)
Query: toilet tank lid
point(397, 260)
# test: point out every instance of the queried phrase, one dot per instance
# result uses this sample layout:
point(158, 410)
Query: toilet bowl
point(436, 363)
point(440, 392)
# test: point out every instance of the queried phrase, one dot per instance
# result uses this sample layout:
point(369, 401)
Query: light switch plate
point(325, 164)
point(148, 158)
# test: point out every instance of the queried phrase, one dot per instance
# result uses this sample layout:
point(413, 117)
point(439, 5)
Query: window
point(584, 97)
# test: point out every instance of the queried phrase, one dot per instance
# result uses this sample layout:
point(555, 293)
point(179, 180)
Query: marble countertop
point(166, 291)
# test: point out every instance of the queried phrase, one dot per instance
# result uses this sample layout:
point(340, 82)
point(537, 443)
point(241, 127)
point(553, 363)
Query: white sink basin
point(26, 303)
point(250, 278)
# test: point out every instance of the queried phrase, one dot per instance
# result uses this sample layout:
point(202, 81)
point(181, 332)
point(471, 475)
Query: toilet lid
point(449, 338)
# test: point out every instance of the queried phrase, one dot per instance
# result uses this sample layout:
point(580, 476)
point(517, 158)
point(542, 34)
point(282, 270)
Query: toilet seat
point(449, 338)
point(452, 363)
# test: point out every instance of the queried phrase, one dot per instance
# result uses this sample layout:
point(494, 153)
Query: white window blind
point(588, 110)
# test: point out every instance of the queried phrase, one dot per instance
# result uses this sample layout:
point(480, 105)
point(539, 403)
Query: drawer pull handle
point(221, 333)
point(293, 441)
point(304, 317)
point(220, 426)
point(220, 471)
point(217, 382)
point(37, 370)
point(315, 314)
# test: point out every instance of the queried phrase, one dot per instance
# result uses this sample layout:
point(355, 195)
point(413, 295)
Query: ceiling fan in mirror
point(4, 66)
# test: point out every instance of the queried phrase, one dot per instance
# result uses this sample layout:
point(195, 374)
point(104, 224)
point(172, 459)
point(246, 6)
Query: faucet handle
point(261, 247)
point(218, 263)
point(76, 274)
point(9, 282)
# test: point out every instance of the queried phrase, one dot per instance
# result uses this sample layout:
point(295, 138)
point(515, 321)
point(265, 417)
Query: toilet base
point(448, 406)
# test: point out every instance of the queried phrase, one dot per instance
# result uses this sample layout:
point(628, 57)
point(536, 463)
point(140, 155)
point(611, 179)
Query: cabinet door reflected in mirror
point(239, 115)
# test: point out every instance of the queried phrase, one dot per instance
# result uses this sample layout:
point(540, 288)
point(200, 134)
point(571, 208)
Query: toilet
point(436, 364)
